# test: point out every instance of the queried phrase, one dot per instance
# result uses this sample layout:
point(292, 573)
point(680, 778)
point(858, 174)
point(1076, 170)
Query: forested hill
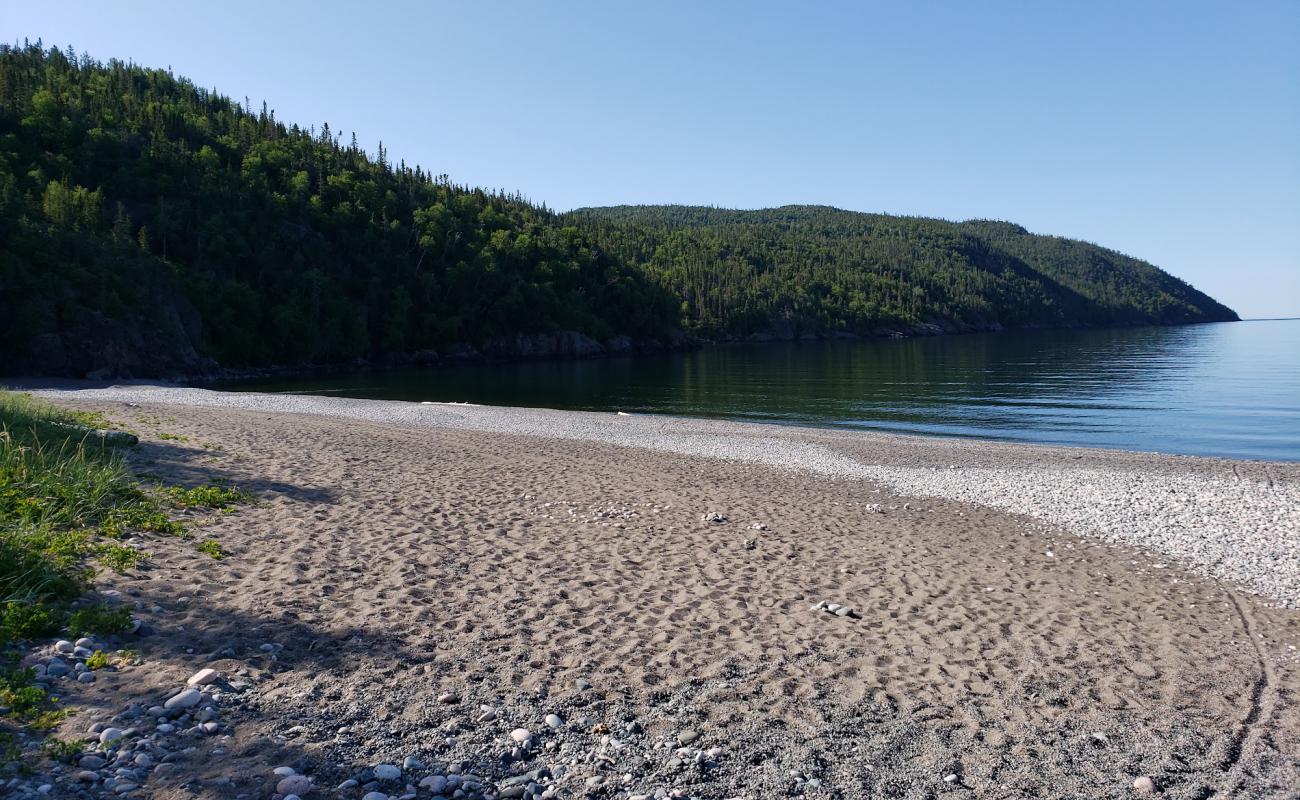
point(150, 227)
point(800, 270)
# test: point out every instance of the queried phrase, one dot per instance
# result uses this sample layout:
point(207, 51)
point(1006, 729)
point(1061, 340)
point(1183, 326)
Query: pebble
point(436, 784)
point(554, 721)
point(449, 698)
point(186, 699)
point(284, 772)
point(86, 677)
point(387, 772)
point(521, 735)
point(686, 737)
point(374, 796)
point(1144, 784)
point(294, 784)
point(109, 735)
point(86, 776)
point(203, 677)
point(91, 762)
point(64, 646)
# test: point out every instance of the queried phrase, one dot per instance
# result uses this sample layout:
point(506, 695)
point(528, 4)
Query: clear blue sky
point(1167, 130)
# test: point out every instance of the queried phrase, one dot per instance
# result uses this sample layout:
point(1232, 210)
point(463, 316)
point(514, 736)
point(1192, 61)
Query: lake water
point(1228, 389)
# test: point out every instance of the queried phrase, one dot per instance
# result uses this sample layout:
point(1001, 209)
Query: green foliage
point(137, 205)
point(819, 270)
point(210, 496)
point(212, 547)
point(19, 695)
point(100, 620)
point(142, 211)
point(57, 749)
point(97, 660)
point(120, 558)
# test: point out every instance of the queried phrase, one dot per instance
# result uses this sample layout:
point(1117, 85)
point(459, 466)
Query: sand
point(391, 559)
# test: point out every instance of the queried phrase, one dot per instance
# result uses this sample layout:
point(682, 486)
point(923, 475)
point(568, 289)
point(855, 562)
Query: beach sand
point(992, 654)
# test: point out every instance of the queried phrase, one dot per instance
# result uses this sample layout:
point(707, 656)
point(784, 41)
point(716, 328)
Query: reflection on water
point(1230, 389)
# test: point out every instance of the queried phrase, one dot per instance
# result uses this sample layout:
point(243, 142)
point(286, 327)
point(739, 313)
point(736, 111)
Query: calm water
point(1230, 389)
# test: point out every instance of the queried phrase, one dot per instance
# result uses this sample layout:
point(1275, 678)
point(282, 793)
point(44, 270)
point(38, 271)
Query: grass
point(211, 496)
point(212, 547)
point(99, 621)
point(66, 499)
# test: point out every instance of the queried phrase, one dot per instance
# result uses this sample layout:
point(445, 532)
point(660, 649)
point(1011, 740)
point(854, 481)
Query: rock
point(686, 737)
point(950, 778)
point(91, 762)
point(211, 728)
point(487, 716)
point(449, 698)
point(284, 772)
point(1144, 785)
point(582, 684)
point(85, 642)
point(436, 784)
point(123, 788)
point(110, 735)
point(374, 796)
point(713, 518)
point(166, 728)
point(64, 646)
point(86, 677)
point(411, 763)
point(57, 668)
point(387, 772)
point(186, 699)
point(203, 677)
point(86, 776)
point(294, 784)
point(554, 721)
point(521, 735)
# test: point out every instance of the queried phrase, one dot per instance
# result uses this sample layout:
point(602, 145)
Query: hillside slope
point(149, 227)
point(814, 269)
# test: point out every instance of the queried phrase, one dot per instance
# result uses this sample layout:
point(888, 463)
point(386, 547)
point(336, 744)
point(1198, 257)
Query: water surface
point(1226, 389)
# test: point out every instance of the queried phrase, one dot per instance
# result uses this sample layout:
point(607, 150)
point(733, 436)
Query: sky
point(1166, 130)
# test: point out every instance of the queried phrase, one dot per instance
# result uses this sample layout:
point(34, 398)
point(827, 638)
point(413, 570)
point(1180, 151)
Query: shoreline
point(1170, 504)
point(588, 604)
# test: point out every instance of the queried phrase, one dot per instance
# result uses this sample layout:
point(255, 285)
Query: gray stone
point(186, 699)
point(388, 772)
point(294, 784)
point(110, 735)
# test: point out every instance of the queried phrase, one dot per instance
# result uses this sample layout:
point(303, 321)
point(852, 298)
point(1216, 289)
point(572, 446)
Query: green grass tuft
point(99, 621)
point(212, 548)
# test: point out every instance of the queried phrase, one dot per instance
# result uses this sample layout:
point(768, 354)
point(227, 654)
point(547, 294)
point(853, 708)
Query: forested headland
point(150, 227)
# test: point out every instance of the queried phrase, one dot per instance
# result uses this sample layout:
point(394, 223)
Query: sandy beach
point(423, 580)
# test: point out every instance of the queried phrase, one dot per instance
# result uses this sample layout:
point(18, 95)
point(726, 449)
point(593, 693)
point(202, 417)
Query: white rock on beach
point(203, 677)
point(186, 699)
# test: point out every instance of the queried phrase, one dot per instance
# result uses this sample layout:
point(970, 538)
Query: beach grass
point(67, 499)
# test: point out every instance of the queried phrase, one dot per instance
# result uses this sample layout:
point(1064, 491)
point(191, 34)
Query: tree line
point(150, 224)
